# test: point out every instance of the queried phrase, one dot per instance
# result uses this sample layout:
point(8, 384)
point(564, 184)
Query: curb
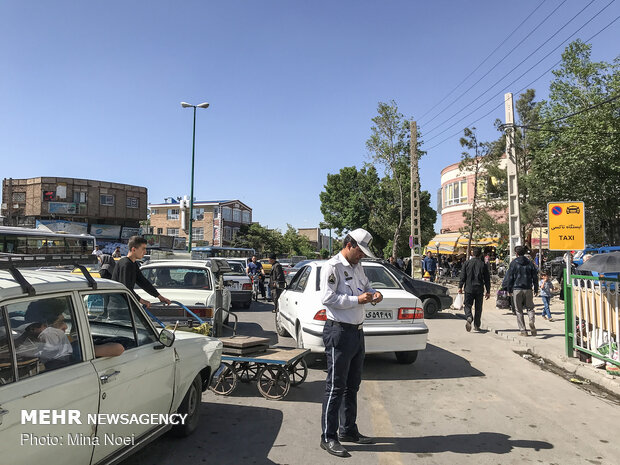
point(570, 365)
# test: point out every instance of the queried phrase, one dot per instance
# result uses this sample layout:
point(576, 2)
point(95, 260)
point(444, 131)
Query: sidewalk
point(548, 344)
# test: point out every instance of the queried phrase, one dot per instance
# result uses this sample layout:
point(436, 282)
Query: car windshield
point(237, 269)
point(301, 264)
point(379, 278)
point(178, 277)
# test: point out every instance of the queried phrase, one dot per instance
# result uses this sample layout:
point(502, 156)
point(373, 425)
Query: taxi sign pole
point(566, 223)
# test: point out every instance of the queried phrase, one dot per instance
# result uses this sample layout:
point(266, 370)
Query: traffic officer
point(344, 291)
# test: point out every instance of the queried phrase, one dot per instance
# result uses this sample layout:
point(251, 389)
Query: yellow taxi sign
point(567, 229)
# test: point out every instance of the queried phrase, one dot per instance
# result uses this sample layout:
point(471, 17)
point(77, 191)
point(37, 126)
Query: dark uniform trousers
point(344, 348)
point(275, 296)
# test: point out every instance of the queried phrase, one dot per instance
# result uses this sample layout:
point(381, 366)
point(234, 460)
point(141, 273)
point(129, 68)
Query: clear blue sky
point(92, 89)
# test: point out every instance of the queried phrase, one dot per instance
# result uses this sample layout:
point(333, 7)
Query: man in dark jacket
point(128, 272)
point(522, 276)
point(429, 264)
point(277, 280)
point(475, 278)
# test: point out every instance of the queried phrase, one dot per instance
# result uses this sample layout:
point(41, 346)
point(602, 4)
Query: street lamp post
point(191, 196)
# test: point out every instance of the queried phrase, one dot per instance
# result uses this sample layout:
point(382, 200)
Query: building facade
point(317, 239)
point(456, 197)
point(215, 222)
point(106, 210)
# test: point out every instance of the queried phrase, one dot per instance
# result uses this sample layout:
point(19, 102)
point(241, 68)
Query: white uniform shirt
point(341, 284)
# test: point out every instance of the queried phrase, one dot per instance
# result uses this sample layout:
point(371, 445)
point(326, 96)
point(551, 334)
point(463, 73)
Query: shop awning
point(456, 243)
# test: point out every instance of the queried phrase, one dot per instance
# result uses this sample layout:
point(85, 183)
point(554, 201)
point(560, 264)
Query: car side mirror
point(166, 337)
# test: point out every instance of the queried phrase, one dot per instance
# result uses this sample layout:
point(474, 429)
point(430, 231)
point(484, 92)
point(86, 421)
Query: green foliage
point(360, 199)
point(259, 238)
point(324, 253)
point(578, 159)
point(296, 244)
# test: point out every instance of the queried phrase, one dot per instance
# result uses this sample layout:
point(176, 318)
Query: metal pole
point(514, 212)
point(330, 241)
point(569, 319)
point(191, 196)
point(415, 203)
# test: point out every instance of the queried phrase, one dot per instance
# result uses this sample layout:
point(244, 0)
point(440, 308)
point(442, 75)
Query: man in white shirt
point(98, 251)
point(344, 292)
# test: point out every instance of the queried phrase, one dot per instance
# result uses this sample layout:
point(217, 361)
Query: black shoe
point(334, 447)
point(468, 324)
point(358, 438)
point(477, 328)
point(532, 328)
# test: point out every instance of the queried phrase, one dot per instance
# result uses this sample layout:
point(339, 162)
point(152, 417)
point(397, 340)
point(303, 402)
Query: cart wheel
point(298, 371)
point(273, 382)
point(246, 371)
point(224, 380)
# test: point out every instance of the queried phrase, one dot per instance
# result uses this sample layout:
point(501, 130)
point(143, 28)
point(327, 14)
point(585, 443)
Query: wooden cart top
point(273, 356)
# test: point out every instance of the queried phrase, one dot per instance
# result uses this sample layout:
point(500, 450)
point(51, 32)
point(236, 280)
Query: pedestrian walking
point(277, 280)
point(128, 272)
point(108, 264)
point(117, 253)
point(546, 288)
point(522, 277)
point(345, 290)
point(475, 279)
point(429, 265)
point(98, 251)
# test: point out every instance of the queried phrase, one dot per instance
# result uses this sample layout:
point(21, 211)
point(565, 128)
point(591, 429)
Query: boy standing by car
point(277, 280)
point(128, 272)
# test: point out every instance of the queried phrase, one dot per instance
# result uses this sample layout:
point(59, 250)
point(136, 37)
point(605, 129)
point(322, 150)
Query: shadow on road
point(432, 363)
point(484, 442)
point(221, 438)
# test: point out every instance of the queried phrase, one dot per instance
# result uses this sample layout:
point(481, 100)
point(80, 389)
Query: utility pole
point(416, 234)
point(514, 212)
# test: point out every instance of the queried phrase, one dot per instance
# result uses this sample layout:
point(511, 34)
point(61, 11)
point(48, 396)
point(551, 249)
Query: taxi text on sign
point(566, 226)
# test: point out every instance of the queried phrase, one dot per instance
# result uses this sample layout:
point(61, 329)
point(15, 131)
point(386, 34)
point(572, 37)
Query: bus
point(25, 241)
point(208, 251)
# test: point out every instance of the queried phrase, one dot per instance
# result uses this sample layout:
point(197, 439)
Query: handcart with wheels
point(275, 370)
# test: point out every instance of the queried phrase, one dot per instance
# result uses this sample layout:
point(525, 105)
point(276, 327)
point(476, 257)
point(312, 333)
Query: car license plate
point(379, 315)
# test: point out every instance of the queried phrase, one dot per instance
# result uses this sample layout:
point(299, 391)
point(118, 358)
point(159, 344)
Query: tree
point(259, 238)
point(581, 152)
point(296, 244)
point(389, 146)
point(476, 159)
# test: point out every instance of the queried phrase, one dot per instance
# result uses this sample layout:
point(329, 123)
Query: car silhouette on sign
point(572, 209)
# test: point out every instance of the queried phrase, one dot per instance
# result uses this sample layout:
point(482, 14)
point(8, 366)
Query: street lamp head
point(186, 105)
point(203, 105)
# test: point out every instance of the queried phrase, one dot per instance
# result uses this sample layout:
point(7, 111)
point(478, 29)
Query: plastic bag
point(458, 302)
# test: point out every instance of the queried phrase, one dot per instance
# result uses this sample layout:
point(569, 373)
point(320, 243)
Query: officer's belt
point(345, 325)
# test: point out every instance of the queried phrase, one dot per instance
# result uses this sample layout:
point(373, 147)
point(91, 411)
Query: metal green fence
point(592, 316)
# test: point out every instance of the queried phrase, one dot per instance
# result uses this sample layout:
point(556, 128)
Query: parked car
point(435, 297)
point(239, 284)
point(159, 372)
point(290, 272)
point(396, 324)
point(266, 266)
point(593, 250)
point(190, 282)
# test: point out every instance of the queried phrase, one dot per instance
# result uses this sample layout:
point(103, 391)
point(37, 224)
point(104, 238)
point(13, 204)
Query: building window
point(227, 233)
point(456, 193)
point(227, 213)
point(173, 213)
point(19, 197)
point(160, 230)
point(172, 231)
point(199, 214)
point(246, 217)
point(237, 215)
point(132, 202)
point(106, 199)
point(48, 196)
point(198, 234)
point(154, 211)
point(216, 212)
point(80, 197)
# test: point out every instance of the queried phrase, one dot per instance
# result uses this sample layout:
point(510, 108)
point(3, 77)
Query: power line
point(523, 88)
point(591, 107)
point(499, 62)
point(484, 61)
point(530, 68)
point(525, 59)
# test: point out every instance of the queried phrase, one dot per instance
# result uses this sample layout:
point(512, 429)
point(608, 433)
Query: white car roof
point(45, 282)
point(177, 263)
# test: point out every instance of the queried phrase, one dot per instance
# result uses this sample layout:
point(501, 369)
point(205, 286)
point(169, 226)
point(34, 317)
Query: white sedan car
point(190, 282)
point(394, 325)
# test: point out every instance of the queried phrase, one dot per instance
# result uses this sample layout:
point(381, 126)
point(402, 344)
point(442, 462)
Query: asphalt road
point(468, 399)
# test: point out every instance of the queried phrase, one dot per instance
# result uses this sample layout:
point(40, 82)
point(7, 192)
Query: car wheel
point(406, 358)
point(300, 338)
point(430, 307)
point(279, 328)
point(190, 406)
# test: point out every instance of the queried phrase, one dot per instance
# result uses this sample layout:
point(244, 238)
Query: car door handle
point(108, 376)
